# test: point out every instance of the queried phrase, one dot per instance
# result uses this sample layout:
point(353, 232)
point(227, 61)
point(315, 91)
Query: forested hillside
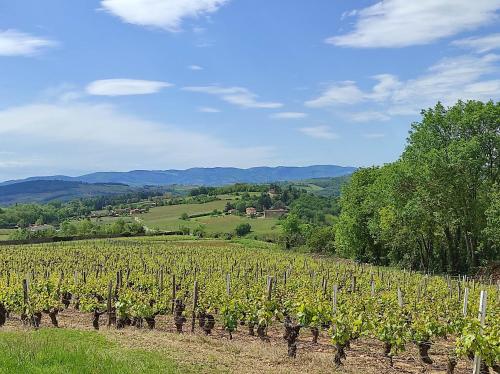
point(437, 208)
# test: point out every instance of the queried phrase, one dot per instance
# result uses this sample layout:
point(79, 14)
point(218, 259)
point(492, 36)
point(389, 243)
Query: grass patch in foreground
point(57, 351)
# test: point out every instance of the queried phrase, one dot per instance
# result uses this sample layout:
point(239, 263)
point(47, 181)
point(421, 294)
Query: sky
point(101, 85)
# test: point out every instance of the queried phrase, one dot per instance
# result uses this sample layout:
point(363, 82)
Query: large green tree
point(436, 208)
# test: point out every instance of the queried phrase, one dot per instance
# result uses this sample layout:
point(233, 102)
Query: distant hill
point(204, 176)
point(42, 191)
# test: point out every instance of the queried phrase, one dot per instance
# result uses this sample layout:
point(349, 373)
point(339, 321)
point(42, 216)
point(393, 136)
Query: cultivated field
point(244, 295)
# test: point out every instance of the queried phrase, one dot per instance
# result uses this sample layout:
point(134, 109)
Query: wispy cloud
point(239, 96)
point(165, 14)
point(16, 43)
point(480, 44)
point(208, 109)
point(401, 23)
point(195, 67)
point(374, 135)
point(319, 132)
point(337, 93)
point(367, 116)
point(462, 77)
point(101, 136)
point(120, 87)
point(288, 115)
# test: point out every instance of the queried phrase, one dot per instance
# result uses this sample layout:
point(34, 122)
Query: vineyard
point(253, 291)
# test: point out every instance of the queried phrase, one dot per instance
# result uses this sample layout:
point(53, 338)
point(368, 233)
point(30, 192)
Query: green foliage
point(84, 227)
point(242, 229)
point(300, 287)
point(436, 208)
point(321, 239)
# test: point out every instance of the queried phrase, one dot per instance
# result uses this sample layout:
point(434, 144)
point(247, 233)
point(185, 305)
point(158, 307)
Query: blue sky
point(92, 85)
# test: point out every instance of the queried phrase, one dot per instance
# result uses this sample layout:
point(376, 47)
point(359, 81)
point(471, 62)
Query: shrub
point(242, 229)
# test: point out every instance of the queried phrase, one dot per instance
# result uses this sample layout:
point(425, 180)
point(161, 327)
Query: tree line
point(437, 208)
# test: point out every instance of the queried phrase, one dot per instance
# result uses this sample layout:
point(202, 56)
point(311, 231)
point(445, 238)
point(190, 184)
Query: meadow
point(4, 234)
point(168, 218)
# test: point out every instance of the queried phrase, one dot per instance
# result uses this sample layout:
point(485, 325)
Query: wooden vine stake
point(269, 287)
point(195, 304)
point(161, 280)
point(228, 283)
point(400, 298)
point(173, 292)
point(110, 295)
point(25, 292)
point(334, 297)
point(466, 301)
point(482, 315)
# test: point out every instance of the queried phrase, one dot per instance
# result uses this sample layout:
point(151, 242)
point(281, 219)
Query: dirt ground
point(247, 354)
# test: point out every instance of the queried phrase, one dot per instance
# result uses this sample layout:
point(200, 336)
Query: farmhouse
point(272, 192)
point(137, 211)
point(251, 211)
point(36, 228)
point(274, 213)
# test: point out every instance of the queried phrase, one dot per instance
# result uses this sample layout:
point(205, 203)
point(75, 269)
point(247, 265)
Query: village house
point(272, 193)
point(274, 213)
point(137, 211)
point(251, 211)
point(36, 228)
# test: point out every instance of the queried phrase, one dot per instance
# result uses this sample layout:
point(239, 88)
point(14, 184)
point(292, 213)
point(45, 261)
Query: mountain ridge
point(214, 176)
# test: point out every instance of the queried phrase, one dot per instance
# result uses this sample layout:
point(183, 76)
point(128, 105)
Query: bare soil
point(248, 354)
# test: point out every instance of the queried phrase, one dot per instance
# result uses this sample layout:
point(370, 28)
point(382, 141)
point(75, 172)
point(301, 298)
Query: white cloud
point(288, 115)
point(338, 93)
point(319, 132)
point(164, 14)
point(195, 67)
point(239, 96)
point(463, 77)
point(367, 116)
point(480, 44)
point(401, 23)
point(100, 137)
point(16, 43)
point(119, 87)
point(208, 109)
point(374, 135)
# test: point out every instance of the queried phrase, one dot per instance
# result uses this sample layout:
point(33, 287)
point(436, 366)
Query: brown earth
point(247, 354)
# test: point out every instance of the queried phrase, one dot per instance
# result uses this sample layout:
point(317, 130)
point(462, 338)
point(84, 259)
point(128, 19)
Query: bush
point(321, 239)
point(199, 231)
point(242, 229)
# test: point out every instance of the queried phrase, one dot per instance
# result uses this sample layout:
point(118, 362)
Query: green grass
point(57, 351)
point(229, 223)
point(168, 217)
point(4, 233)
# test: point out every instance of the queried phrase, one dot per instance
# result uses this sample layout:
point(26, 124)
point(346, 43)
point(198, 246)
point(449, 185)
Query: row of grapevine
point(209, 283)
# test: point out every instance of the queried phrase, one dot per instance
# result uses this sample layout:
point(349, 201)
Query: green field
point(4, 233)
point(69, 351)
point(228, 223)
point(168, 218)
